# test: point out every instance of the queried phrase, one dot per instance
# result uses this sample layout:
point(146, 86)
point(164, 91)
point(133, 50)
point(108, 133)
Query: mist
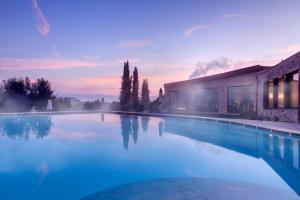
point(204, 68)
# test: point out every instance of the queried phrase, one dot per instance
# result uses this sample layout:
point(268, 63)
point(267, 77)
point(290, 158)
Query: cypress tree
point(135, 89)
point(161, 94)
point(145, 97)
point(125, 92)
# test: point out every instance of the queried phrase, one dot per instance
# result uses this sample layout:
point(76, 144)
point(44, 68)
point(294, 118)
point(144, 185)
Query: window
point(281, 93)
point(240, 99)
point(207, 100)
point(173, 100)
point(270, 94)
point(294, 90)
point(183, 99)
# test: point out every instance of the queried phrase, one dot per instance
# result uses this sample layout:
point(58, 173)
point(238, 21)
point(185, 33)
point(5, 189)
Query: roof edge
point(255, 68)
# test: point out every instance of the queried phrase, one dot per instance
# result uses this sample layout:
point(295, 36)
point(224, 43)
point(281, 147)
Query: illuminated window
point(270, 94)
point(281, 93)
point(294, 90)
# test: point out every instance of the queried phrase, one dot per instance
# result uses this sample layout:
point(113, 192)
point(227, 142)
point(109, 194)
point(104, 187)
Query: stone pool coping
point(269, 126)
point(192, 188)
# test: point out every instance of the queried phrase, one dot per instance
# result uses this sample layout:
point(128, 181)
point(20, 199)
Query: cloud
point(47, 63)
point(291, 49)
point(42, 23)
point(134, 43)
point(222, 64)
point(235, 16)
point(83, 79)
point(189, 31)
point(55, 52)
point(110, 84)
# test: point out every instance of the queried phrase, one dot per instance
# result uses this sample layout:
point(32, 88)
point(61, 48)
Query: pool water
point(71, 156)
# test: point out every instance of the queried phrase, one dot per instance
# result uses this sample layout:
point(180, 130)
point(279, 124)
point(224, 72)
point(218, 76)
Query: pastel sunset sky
point(80, 45)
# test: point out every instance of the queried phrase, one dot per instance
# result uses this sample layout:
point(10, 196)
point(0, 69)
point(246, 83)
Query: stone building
point(265, 91)
point(279, 89)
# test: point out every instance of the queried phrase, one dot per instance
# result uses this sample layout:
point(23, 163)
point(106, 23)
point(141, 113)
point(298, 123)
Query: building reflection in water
point(25, 126)
point(281, 152)
point(102, 117)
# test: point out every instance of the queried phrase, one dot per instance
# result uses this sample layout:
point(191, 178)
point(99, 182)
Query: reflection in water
point(125, 129)
point(130, 126)
point(24, 126)
point(42, 170)
point(135, 128)
point(102, 117)
point(160, 128)
point(145, 123)
point(280, 152)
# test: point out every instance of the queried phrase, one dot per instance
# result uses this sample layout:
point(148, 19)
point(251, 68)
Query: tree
point(1, 95)
point(41, 93)
point(161, 94)
point(61, 103)
point(125, 93)
point(14, 95)
point(21, 94)
point(145, 97)
point(135, 89)
point(92, 105)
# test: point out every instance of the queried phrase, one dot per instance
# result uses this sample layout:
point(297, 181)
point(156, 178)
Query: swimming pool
point(71, 156)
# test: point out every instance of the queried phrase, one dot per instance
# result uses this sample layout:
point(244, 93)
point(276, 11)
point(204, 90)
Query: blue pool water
point(71, 156)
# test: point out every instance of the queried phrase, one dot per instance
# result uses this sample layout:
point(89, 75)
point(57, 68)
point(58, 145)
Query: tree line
point(131, 98)
point(21, 94)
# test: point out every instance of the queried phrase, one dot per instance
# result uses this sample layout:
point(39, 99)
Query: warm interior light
point(271, 95)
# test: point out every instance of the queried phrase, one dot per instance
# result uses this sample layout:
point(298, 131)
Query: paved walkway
point(284, 127)
point(192, 189)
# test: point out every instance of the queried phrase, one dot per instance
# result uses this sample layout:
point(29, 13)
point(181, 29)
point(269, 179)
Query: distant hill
point(91, 97)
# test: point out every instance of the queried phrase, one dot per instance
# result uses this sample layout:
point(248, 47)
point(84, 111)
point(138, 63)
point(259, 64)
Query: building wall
point(221, 85)
point(257, 79)
point(282, 114)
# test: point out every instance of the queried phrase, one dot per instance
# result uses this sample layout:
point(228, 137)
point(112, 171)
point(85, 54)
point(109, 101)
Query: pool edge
point(248, 123)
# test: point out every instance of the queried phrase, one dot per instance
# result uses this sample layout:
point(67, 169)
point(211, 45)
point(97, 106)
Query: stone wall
point(221, 85)
point(287, 66)
point(256, 79)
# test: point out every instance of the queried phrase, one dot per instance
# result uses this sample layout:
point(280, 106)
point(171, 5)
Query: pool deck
point(192, 189)
point(270, 126)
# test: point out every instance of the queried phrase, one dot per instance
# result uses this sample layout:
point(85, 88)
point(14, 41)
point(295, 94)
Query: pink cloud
point(47, 63)
point(134, 43)
point(89, 85)
point(291, 49)
point(110, 85)
point(42, 23)
point(189, 31)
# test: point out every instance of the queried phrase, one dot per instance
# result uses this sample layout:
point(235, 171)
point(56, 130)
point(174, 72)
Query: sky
point(80, 45)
